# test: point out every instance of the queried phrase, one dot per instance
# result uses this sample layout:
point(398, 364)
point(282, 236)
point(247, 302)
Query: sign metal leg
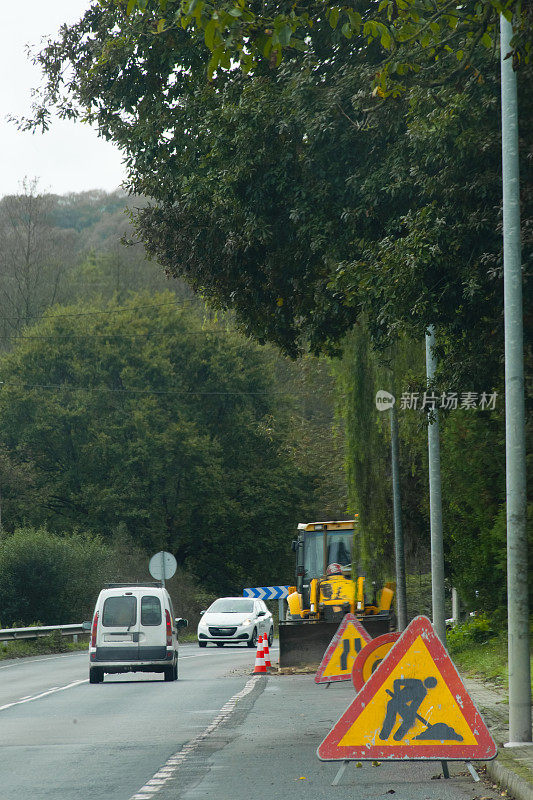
point(340, 773)
point(472, 771)
point(445, 770)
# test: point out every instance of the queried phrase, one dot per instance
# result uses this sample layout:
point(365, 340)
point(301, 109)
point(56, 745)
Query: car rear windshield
point(120, 612)
point(150, 610)
point(232, 605)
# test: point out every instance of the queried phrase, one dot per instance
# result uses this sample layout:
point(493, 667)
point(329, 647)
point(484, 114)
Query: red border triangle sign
point(413, 706)
point(338, 660)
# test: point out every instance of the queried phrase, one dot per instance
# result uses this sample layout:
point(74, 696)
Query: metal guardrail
point(35, 632)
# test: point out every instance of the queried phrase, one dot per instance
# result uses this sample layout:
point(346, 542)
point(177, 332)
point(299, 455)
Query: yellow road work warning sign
point(341, 653)
point(413, 706)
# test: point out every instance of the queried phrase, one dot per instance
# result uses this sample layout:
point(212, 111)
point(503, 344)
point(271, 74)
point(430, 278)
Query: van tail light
point(93, 631)
point(169, 628)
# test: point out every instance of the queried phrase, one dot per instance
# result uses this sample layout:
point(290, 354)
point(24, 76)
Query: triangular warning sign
point(413, 706)
point(338, 660)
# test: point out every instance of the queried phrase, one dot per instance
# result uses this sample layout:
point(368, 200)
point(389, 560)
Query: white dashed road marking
point(166, 772)
point(53, 690)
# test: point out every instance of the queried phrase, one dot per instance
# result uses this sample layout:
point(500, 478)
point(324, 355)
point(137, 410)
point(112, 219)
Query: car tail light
point(169, 628)
point(93, 631)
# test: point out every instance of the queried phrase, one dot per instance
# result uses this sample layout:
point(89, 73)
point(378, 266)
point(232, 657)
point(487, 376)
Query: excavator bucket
point(302, 644)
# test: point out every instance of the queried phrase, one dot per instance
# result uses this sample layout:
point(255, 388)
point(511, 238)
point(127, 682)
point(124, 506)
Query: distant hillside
point(67, 248)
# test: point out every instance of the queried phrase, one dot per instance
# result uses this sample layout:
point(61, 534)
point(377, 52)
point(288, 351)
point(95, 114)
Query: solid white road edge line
point(166, 772)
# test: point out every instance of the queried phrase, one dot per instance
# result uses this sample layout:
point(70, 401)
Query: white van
point(133, 630)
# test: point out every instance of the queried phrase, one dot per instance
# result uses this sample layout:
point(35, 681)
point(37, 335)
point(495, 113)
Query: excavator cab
point(320, 544)
point(325, 592)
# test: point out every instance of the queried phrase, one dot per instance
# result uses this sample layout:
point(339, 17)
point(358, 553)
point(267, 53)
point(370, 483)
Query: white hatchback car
point(234, 620)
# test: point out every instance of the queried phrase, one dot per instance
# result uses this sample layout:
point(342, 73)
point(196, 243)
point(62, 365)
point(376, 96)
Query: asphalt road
point(218, 733)
point(64, 739)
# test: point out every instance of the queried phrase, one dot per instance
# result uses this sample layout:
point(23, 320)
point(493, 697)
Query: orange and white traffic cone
point(266, 652)
point(259, 658)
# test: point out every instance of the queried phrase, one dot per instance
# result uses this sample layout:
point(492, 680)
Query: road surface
point(218, 732)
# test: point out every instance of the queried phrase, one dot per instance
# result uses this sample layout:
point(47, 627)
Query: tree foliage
point(409, 37)
point(141, 415)
point(34, 257)
point(46, 578)
point(301, 201)
point(296, 198)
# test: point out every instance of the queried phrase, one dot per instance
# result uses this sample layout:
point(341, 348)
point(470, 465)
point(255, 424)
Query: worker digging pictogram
point(406, 698)
point(413, 706)
point(338, 660)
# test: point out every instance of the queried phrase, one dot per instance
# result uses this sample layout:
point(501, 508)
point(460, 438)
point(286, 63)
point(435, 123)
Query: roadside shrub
point(476, 630)
point(53, 643)
point(56, 579)
point(49, 577)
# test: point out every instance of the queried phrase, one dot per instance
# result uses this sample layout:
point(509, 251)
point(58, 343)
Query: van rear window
point(119, 612)
point(150, 610)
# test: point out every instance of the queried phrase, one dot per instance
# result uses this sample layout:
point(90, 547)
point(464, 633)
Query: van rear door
point(152, 628)
point(119, 638)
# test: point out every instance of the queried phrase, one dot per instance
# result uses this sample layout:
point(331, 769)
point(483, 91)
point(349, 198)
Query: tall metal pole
point(401, 594)
point(515, 448)
point(435, 502)
point(456, 607)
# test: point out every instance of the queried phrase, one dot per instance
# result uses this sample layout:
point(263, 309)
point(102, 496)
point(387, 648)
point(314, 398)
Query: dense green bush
point(476, 630)
point(51, 579)
point(48, 577)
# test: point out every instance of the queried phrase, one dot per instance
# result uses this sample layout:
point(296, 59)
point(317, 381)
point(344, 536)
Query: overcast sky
point(70, 157)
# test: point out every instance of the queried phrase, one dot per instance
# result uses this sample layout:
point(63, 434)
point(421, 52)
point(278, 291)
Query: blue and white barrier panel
point(267, 592)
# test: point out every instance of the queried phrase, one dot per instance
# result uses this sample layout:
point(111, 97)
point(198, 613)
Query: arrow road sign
point(267, 592)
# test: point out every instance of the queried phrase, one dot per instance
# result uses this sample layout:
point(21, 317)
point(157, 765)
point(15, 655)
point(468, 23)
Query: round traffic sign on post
point(162, 566)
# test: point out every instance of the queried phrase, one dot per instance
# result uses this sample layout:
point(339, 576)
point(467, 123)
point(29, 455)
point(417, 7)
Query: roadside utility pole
point(515, 447)
point(435, 502)
point(401, 595)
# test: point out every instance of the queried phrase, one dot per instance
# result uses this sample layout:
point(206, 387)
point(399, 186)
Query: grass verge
point(481, 651)
point(46, 645)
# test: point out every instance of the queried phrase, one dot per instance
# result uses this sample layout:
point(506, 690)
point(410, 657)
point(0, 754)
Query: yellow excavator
point(325, 591)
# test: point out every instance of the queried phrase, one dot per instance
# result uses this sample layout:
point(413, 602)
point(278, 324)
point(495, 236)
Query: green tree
point(47, 578)
point(409, 38)
point(360, 374)
point(298, 200)
point(141, 414)
point(318, 445)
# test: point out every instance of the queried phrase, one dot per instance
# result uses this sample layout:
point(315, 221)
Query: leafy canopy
point(410, 33)
point(141, 415)
point(297, 198)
